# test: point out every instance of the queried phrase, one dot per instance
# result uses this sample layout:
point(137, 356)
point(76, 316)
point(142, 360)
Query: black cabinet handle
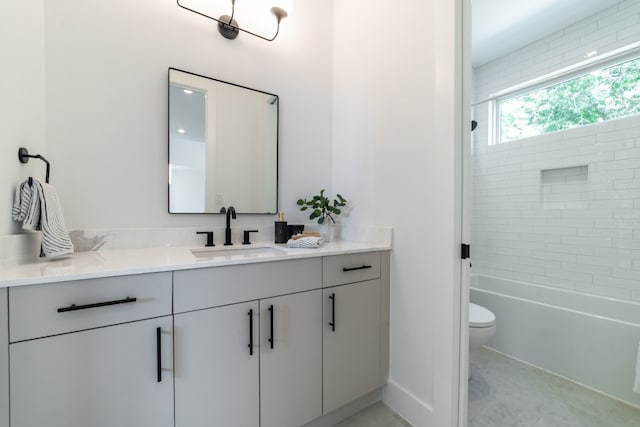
point(74, 307)
point(271, 338)
point(251, 332)
point(332, 297)
point(364, 267)
point(159, 353)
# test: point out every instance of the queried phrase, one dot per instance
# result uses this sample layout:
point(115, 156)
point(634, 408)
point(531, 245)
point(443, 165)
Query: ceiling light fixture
point(228, 26)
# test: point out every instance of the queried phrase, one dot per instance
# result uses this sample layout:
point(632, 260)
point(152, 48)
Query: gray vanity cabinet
point(229, 374)
point(100, 378)
point(355, 327)
point(219, 381)
point(291, 368)
point(216, 380)
point(92, 353)
point(4, 359)
point(268, 344)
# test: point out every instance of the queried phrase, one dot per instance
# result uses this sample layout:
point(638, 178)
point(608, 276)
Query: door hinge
point(465, 251)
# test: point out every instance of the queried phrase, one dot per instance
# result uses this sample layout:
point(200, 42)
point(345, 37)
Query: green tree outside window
point(601, 95)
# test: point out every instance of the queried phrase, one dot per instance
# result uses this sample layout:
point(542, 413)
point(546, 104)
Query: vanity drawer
point(341, 269)
point(211, 287)
point(56, 308)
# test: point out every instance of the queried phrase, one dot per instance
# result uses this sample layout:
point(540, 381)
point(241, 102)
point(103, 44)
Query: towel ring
point(24, 156)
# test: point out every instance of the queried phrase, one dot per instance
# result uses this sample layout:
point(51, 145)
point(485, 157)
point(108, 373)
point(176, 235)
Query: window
point(604, 94)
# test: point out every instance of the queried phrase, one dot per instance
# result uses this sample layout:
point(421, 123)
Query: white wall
point(22, 115)
point(394, 156)
point(106, 103)
point(581, 233)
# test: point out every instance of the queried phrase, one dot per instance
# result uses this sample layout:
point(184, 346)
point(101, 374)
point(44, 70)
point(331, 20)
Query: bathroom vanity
point(270, 340)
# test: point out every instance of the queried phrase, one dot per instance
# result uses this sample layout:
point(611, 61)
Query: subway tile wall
point(561, 209)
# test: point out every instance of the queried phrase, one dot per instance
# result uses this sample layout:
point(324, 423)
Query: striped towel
point(305, 242)
point(38, 207)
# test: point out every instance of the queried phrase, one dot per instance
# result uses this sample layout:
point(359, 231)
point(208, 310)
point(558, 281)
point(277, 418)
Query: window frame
point(582, 68)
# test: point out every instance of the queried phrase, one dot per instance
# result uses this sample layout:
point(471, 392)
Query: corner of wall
point(414, 410)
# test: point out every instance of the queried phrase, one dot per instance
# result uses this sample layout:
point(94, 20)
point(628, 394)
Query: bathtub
point(588, 339)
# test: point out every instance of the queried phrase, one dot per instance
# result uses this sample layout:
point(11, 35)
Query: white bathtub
point(588, 339)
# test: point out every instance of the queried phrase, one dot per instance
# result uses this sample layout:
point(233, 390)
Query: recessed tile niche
point(564, 188)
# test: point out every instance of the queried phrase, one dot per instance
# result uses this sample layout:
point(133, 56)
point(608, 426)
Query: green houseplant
point(323, 208)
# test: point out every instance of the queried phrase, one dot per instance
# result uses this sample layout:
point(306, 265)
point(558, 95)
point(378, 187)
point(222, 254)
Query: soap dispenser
point(281, 229)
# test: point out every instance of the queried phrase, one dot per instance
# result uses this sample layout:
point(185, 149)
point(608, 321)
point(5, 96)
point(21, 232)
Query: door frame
point(463, 200)
point(453, 77)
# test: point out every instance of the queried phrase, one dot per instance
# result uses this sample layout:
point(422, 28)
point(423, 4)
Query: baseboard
point(408, 406)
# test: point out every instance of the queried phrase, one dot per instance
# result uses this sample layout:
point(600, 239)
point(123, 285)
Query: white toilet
point(482, 325)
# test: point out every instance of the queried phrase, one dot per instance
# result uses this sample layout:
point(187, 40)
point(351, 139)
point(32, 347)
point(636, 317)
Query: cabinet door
point(291, 359)
point(4, 360)
point(216, 380)
point(351, 337)
point(97, 378)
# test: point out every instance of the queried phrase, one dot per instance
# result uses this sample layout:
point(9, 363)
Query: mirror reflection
point(223, 146)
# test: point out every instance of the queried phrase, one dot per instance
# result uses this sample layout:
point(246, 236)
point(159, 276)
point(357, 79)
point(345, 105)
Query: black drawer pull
point(332, 297)
point(364, 267)
point(271, 338)
point(74, 307)
point(159, 353)
point(250, 332)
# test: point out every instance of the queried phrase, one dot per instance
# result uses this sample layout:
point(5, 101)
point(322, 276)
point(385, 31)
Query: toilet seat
point(480, 317)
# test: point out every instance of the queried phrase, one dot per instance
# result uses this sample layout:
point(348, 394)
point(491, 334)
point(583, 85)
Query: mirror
point(223, 146)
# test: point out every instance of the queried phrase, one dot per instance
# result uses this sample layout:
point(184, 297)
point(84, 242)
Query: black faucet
point(231, 213)
point(209, 237)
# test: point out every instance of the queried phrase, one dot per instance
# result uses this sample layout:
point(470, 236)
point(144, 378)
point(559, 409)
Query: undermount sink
point(236, 252)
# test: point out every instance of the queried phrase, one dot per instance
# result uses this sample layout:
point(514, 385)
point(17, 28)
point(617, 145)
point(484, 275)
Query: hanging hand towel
point(38, 207)
point(636, 386)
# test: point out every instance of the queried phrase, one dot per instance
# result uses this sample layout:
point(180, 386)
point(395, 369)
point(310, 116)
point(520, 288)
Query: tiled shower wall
point(561, 209)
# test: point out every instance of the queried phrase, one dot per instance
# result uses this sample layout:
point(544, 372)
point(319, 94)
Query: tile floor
point(376, 415)
point(504, 392)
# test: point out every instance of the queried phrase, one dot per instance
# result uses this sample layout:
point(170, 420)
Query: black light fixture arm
point(230, 28)
point(233, 10)
point(24, 156)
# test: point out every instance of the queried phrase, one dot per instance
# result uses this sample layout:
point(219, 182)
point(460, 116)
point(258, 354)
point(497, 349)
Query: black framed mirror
point(223, 146)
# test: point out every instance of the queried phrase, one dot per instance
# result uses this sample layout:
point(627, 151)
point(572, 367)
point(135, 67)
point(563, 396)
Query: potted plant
point(323, 210)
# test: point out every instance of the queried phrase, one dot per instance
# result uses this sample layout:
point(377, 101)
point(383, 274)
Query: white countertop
point(119, 262)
